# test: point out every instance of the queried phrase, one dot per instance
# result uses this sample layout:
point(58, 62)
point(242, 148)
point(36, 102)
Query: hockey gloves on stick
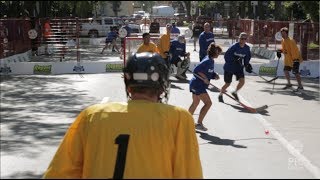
point(248, 68)
point(279, 54)
point(295, 68)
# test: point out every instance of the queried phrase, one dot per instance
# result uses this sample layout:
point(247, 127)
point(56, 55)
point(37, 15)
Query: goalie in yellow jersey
point(142, 138)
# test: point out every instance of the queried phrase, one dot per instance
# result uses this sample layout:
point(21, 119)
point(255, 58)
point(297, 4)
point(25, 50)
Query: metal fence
point(14, 37)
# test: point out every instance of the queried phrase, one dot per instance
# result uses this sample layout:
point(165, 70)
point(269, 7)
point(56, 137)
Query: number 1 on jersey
point(122, 140)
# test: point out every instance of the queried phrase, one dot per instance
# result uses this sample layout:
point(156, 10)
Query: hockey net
point(131, 45)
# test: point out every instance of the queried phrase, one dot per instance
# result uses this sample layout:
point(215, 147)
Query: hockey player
point(178, 50)
point(147, 46)
point(236, 57)
point(292, 58)
point(111, 40)
point(138, 139)
point(205, 39)
point(198, 86)
point(164, 43)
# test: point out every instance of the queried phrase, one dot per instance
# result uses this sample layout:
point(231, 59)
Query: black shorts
point(287, 68)
point(228, 76)
point(108, 41)
point(122, 42)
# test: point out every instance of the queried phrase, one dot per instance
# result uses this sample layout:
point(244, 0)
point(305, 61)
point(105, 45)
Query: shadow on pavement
point(36, 111)
point(218, 141)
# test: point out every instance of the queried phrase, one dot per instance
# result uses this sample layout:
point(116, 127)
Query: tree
point(115, 7)
point(311, 8)
point(188, 8)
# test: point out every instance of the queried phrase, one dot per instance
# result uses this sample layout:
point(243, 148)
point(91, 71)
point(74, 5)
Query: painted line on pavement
point(314, 170)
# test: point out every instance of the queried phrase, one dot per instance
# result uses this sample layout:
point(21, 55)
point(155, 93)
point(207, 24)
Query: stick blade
point(273, 79)
point(262, 108)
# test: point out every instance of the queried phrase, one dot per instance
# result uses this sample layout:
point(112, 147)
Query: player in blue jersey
point(205, 39)
point(236, 58)
point(178, 50)
point(111, 40)
point(198, 86)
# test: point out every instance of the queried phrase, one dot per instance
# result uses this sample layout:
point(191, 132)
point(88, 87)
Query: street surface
point(280, 142)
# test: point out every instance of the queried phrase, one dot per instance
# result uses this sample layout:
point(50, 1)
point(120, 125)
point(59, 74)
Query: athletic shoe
point(201, 127)
point(235, 95)
point(180, 77)
point(194, 50)
point(184, 75)
point(220, 98)
point(299, 89)
point(287, 86)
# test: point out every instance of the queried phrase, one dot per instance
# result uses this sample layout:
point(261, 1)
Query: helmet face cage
point(147, 70)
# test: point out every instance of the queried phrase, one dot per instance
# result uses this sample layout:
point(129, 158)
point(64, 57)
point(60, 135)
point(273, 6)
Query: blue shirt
point(175, 30)
point(206, 67)
point(177, 49)
point(128, 30)
point(205, 39)
point(236, 58)
point(111, 35)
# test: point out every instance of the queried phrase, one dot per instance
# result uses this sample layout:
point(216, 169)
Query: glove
point(237, 59)
point(279, 54)
point(295, 68)
point(249, 68)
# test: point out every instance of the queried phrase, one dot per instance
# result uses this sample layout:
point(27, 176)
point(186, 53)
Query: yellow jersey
point(148, 48)
point(164, 45)
point(139, 139)
point(290, 51)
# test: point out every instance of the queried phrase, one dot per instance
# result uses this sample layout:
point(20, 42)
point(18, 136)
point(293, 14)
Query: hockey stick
point(253, 110)
point(276, 75)
point(268, 81)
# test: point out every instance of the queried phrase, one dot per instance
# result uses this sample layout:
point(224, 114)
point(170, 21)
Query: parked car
point(101, 26)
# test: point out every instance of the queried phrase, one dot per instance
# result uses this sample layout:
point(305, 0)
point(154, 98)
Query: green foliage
point(311, 8)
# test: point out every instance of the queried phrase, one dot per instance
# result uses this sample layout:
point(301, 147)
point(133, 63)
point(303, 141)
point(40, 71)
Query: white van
point(162, 11)
point(102, 25)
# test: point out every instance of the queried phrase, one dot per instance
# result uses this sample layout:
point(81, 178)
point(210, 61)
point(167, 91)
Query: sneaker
point(220, 98)
point(184, 75)
point(179, 77)
point(201, 127)
point(235, 95)
point(299, 89)
point(287, 86)
point(194, 50)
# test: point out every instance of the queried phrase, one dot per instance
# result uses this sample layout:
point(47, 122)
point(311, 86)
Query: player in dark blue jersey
point(205, 39)
point(198, 86)
point(236, 58)
point(178, 50)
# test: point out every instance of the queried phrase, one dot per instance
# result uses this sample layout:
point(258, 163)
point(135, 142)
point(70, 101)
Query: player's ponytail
point(214, 50)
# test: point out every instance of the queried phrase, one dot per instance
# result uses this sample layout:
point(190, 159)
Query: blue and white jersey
point(177, 49)
point(236, 58)
point(111, 36)
point(205, 39)
point(206, 67)
point(128, 30)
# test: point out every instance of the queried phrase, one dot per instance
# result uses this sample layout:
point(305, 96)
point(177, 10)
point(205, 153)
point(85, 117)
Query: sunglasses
point(243, 38)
